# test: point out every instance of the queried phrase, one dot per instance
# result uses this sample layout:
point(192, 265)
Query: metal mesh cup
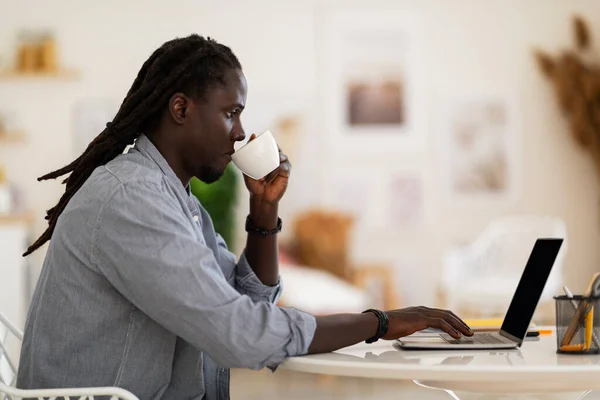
point(577, 324)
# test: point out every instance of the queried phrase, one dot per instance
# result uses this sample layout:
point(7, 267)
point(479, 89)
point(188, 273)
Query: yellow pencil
point(572, 347)
point(589, 327)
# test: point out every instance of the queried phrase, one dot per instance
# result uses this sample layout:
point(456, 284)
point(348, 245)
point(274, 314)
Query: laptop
point(519, 313)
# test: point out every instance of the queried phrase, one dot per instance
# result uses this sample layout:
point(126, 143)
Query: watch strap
point(251, 228)
point(382, 328)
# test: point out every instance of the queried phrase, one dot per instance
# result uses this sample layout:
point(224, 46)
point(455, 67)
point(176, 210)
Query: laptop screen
point(530, 287)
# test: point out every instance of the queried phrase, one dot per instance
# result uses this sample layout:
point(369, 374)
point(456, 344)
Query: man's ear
point(178, 107)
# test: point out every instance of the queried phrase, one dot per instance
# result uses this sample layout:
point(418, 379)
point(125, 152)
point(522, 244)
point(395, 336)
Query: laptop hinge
point(511, 337)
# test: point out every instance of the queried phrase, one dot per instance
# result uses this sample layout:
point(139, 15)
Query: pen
point(538, 332)
point(574, 304)
point(570, 295)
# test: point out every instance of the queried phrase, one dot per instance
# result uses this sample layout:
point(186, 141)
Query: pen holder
point(577, 324)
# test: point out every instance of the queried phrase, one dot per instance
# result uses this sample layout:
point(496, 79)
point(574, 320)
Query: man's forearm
point(261, 251)
point(341, 330)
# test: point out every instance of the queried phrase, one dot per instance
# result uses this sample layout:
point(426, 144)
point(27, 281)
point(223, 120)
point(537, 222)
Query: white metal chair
point(483, 275)
point(8, 373)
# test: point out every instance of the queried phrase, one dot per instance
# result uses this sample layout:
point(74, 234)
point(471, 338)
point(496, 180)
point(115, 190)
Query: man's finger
point(453, 320)
point(285, 169)
point(461, 321)
point(272, 175)
point(440, 323)
point(456, 324)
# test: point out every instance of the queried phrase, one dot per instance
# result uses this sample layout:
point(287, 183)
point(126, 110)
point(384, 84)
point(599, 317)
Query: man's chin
point(210, 175)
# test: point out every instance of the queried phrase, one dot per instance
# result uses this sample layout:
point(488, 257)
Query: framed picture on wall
point(406, 199)
point(351, 192)
point(480, 148)
point(374, 82)
point(369, 83)
point(356, 191)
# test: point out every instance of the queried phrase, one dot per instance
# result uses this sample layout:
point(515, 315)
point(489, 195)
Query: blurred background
point(432, 141)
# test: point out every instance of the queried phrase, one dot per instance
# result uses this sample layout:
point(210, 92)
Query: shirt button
point(195, 218)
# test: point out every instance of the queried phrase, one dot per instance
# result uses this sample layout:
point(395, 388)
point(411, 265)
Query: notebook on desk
point(519, 313)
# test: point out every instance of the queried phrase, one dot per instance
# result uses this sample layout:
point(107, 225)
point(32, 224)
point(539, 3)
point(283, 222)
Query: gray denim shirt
point(137, 291)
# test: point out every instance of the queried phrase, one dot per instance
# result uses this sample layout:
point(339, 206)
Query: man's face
point(214, 126)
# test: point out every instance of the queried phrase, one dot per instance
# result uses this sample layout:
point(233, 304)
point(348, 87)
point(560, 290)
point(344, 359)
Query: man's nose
point(238, 134)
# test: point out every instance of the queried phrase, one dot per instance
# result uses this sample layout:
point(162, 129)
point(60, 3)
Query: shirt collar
point(147, 148)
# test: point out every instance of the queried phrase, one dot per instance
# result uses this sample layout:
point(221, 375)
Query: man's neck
point(171, 155)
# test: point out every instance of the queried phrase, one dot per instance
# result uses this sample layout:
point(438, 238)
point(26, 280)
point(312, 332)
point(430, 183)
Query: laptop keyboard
point(478, 338)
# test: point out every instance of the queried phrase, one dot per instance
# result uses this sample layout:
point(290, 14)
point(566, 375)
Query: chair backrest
point(505, 244)
point(322, 241)
point(8, 365)
point(8, 376)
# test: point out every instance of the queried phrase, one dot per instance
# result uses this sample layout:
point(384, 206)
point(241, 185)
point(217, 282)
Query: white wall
point(467, 44)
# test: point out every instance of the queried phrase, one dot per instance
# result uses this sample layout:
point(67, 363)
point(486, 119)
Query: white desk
point(534, 368)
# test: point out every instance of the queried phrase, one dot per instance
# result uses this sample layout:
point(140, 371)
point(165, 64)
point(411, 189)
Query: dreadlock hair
point(190, 65)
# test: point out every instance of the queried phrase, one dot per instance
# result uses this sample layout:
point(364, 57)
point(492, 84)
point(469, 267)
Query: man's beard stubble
point(209, 175)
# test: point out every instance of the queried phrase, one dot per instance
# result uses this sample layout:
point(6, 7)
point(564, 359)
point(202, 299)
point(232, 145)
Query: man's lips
point(229, 154)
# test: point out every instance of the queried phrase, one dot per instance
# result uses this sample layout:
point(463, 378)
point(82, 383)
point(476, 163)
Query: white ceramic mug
point(258, 157)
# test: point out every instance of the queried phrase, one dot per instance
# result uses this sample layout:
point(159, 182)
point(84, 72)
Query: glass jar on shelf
point(27, 52)
point(47, 58)
point(5, 193)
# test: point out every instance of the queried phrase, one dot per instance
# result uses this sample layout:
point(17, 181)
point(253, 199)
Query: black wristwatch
point(250, 228)
point(383, 325)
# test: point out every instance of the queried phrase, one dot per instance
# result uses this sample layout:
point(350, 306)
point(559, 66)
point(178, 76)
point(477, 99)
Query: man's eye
point(230, 114)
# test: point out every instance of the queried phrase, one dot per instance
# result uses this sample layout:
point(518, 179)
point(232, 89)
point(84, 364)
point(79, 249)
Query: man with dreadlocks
point(137, 290)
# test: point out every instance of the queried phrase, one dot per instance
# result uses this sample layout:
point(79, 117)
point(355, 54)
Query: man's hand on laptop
point(340, 330)
point(409, 320)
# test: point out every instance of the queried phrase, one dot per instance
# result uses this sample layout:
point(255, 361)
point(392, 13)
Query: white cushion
point(319, 292)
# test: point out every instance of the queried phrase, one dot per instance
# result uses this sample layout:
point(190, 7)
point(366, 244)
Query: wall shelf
point(12, 137)
point(23, 217)
point(62, 74)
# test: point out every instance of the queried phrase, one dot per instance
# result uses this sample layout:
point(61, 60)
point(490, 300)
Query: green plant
point(219, 200)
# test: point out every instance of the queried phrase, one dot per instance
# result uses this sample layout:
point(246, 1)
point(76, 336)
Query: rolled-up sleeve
point(248, 283)
point(149, 251)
